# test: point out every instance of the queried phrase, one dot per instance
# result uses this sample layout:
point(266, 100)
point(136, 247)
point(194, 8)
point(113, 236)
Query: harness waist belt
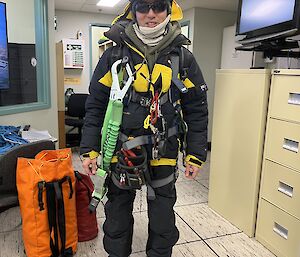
point(143, 140)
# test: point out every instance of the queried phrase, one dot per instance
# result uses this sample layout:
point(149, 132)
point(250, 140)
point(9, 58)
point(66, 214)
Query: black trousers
point(118, 226)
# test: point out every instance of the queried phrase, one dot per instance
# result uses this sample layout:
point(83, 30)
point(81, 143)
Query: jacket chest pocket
point(133, 119)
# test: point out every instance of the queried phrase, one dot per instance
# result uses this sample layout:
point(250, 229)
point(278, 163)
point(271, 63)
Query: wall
point(15, 23)
point(207, 47)
point(189, 15)
point(68, 23)
point(232, 59)
point(44, 119)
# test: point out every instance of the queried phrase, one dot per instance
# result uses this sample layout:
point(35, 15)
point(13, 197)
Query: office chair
point(8, 165)
point(75, 118)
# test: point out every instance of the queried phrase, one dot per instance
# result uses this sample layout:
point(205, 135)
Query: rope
point(37, 172)
point(9, 138)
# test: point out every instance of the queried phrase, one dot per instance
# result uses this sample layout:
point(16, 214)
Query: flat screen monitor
point(4, 73)
point(267, 19)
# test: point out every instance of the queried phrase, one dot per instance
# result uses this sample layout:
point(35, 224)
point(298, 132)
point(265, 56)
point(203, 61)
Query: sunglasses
point(157, 7)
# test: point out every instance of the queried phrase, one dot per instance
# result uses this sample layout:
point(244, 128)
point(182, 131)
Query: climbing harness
point(110, 129)
point(132, 168)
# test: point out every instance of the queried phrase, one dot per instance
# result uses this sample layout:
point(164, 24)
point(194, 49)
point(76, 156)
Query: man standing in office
point(166, 102)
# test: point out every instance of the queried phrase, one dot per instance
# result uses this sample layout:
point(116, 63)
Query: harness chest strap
point(135, 97)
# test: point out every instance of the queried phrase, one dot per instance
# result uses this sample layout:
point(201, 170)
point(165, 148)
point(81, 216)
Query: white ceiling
point(90, 5)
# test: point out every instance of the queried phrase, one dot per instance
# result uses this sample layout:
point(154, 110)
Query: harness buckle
point(93, 204)
point(155, 155)
point(145, 101)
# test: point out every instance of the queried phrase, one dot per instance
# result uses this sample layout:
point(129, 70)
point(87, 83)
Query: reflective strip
point(163, 161)
point(106, 80)
point(188, 83)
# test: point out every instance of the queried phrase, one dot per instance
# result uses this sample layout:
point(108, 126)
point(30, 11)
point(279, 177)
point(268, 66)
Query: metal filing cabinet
point(278, 220)
point(239, 122)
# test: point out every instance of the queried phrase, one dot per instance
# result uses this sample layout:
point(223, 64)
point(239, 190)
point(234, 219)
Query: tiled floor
point(203, 233)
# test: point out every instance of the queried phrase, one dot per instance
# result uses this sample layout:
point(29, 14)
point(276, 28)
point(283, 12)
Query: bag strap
point(80, 180)
point(56, 216)
point(51, 205)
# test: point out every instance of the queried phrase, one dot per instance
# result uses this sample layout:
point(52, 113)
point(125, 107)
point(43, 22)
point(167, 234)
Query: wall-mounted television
point(266, 20)
point(4, 72)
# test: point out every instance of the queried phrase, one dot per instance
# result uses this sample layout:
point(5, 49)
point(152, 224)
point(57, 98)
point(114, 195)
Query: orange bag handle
point(38, 173)
point(55, 159)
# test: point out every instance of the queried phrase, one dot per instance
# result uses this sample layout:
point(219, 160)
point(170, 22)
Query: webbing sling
point(56, 216)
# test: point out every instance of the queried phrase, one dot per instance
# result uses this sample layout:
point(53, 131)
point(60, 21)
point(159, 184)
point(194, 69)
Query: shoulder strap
point(116, 54)
point(176, 63)
point(182, 68)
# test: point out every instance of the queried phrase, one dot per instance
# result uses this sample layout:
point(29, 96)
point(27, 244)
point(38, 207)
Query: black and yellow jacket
point(151, 64)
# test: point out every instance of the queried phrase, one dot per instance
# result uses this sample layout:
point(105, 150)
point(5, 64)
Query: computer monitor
point(265, 20)
point(4, 72)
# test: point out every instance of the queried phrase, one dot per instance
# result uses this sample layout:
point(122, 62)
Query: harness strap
point(145, 101)
point(162, 182)
point(175, 71)
point(143, 140)
point(151, 184)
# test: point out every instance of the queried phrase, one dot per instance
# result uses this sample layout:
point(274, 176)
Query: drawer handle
point(291, 145)
point(294, 98)
point(285, 189)
point(280, 230)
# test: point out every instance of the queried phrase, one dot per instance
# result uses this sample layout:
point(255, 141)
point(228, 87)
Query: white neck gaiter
point(152, 36)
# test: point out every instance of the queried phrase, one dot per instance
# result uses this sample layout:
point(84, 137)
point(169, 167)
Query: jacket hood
point(117, 33)
point(176, 13)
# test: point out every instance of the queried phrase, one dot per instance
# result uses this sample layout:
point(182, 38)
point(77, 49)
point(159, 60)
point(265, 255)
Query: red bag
point(86, 220)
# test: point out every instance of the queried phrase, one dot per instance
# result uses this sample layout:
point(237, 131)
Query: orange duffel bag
point(46, 191)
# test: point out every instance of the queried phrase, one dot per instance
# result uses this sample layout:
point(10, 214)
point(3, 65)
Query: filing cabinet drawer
point(285, 98)
point(278, 231)
point(283, 143)
point(281, 186)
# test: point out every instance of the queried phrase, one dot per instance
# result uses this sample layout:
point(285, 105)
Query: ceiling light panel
point(108, 3)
